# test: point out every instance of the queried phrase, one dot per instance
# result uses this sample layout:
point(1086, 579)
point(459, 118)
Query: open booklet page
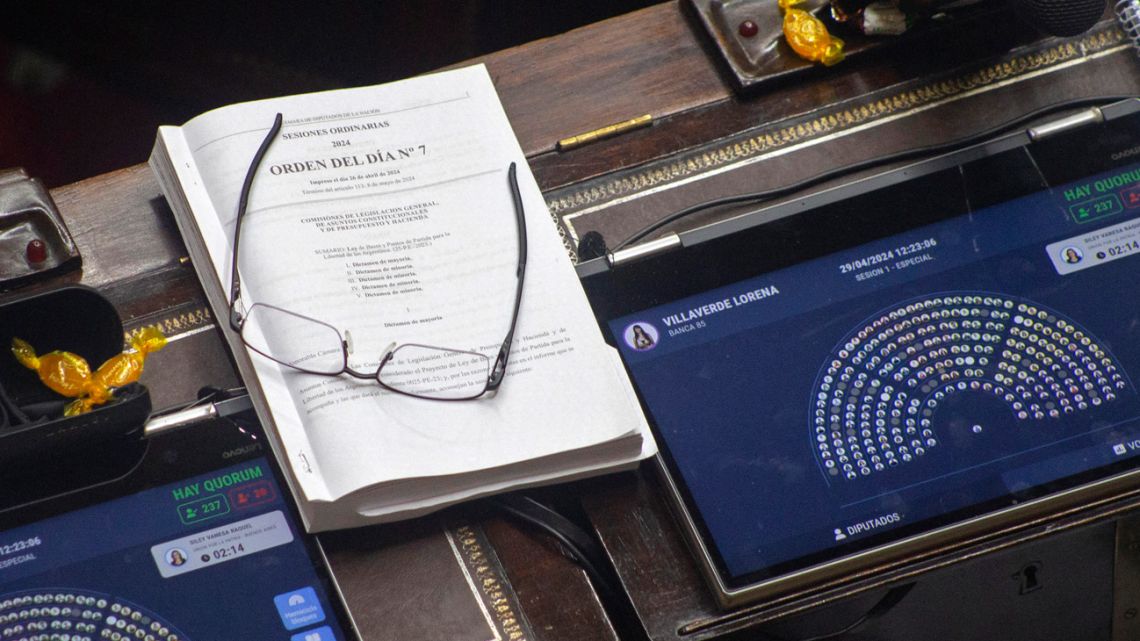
point(386, 212)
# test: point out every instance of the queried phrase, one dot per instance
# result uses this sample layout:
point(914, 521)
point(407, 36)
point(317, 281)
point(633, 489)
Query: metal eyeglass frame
point(237, 318)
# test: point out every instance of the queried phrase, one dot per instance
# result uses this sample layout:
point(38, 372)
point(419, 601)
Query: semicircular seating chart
point(71, 615)
point(874, 401)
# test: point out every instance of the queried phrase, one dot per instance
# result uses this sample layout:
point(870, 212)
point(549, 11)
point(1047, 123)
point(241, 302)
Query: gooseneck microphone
point(1061, 17)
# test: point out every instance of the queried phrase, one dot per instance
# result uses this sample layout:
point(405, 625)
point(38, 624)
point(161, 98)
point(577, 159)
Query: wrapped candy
point(69, 374)
point(880, 17)
point(808, 36)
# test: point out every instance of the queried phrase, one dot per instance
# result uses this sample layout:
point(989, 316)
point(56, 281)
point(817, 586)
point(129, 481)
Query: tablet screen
point(215, 555)
point(898, 385)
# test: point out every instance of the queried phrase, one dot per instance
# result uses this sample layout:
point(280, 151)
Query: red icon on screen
point(1131, 197)
point(252, 494)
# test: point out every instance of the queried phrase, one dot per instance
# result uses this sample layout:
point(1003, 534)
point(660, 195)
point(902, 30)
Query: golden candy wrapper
point(808, 36)
point(69, 374)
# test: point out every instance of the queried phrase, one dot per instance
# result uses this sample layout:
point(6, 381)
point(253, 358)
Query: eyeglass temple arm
point(500, 368)
point(243, 201)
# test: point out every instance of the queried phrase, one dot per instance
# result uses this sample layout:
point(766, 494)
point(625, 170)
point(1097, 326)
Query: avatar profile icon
point(176, 557)
point(641, 336)
point(1072, 255)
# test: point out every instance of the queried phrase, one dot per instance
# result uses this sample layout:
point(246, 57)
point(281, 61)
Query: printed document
point(385, 212)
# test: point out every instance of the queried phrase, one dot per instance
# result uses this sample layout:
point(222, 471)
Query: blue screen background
point(731, 389)
point(105, 551)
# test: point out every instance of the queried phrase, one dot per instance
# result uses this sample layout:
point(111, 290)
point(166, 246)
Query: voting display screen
point(985, 357)
point(215, 555)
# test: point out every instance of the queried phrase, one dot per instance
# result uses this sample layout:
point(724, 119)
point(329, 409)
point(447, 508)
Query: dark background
point(84, 85)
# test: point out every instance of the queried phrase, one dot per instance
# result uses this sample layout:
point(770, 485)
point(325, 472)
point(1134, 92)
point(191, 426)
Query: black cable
point(585, 551)
point(929, 150)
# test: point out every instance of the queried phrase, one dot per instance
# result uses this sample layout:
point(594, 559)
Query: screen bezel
point(792, 232)
point(185, 452)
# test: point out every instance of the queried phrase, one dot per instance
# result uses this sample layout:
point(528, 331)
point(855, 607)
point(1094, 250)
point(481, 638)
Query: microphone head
point(592, 245)
point(1061, 17)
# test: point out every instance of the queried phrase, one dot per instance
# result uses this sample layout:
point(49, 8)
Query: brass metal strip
point(609, 131)
point(175, 324)
point(490, 583)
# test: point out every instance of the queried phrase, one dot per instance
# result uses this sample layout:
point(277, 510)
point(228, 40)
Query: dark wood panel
point(121, 224)
point(655, 567)
point(431, 578)
point(549, 583)
point(647, 61)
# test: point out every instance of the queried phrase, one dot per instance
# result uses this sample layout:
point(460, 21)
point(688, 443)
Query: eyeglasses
point(316, 347)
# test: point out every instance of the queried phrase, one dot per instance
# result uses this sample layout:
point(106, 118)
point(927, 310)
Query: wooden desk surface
point(705, 140)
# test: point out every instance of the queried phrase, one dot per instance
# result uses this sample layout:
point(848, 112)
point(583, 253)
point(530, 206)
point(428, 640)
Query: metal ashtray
point(34, 242)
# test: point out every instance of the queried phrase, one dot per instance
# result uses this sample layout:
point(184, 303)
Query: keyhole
point(1030, 581)
point(1028, 578)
